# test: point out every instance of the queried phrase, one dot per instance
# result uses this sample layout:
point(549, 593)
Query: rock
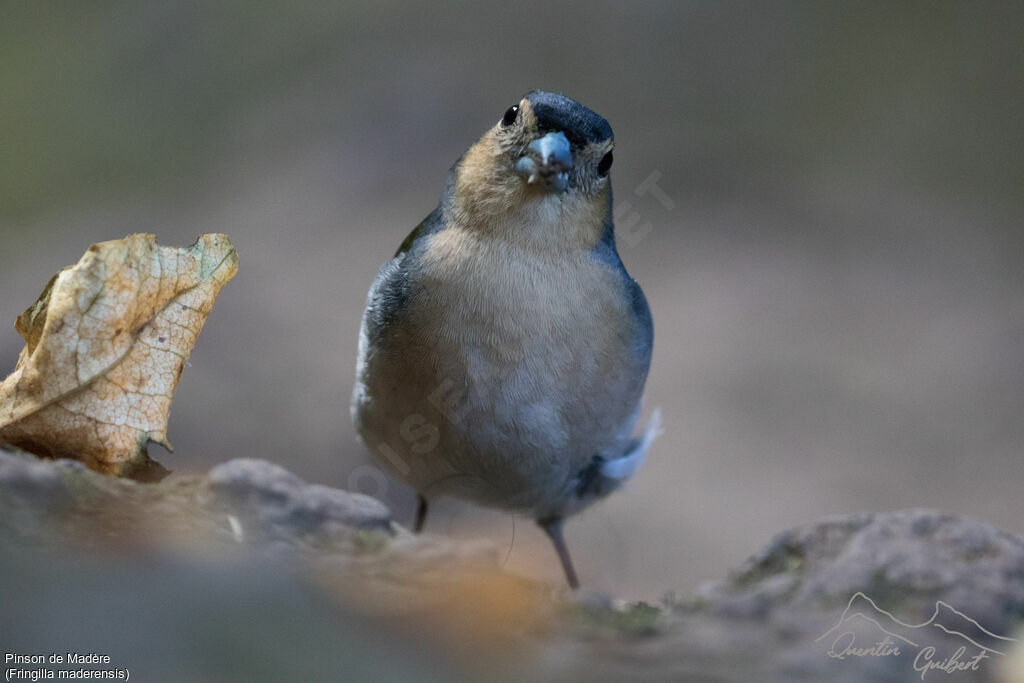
point(246, 551)
point(29, 478)
point(32, 493)
point(172, 617)
point(812, 604)
point(281, 503)
point(253, 498)
point(249, 476)
point(906, 559)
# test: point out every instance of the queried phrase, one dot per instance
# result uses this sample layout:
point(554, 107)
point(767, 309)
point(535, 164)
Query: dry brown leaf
point(105, 345)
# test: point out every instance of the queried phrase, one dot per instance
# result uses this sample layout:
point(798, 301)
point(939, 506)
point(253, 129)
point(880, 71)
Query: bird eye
point(605, 165)
point(510, 116)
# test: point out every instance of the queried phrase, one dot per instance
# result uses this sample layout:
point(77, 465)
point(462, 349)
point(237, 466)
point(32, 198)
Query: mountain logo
point(863, 621)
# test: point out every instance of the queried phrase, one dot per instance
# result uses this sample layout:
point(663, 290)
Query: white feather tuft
point(624, 467)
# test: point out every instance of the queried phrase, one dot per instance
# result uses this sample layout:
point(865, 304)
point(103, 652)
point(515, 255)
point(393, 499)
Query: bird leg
point(552, 526)
point(421, 514)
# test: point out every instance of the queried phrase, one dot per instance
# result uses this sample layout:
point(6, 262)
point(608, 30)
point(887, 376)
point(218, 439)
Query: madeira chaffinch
point(504, 348)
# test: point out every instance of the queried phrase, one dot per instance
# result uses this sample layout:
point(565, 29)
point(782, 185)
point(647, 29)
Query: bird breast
point(526, 356)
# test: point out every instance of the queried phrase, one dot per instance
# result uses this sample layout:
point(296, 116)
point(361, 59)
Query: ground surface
point(249, 573)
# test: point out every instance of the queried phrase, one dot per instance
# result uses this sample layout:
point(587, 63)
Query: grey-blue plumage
point(504, 348)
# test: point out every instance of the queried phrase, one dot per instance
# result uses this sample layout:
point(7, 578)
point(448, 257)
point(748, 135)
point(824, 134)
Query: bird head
point(547, 155)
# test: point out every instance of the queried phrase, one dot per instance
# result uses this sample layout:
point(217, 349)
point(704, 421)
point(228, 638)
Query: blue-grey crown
point(560, 113)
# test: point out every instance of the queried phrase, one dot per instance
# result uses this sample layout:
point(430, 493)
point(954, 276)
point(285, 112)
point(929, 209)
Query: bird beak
point(547, 162)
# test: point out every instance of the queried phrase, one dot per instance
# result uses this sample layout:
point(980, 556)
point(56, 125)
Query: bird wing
point(390, 289)
point(428, 226)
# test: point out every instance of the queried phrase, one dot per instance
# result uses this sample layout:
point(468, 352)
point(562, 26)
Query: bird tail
point(623, 468)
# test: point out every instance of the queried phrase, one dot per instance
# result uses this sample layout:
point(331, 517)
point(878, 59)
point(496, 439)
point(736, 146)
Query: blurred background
point(823, 202)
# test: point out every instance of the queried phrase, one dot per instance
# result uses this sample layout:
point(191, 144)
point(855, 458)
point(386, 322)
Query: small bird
point(504, 348)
